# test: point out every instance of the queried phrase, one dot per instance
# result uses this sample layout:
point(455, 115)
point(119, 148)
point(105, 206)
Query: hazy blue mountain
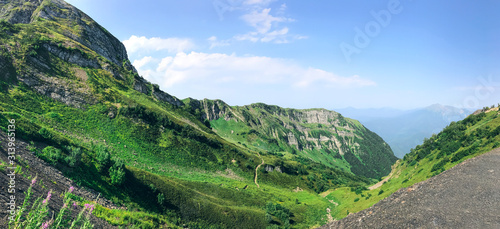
point(405, 129)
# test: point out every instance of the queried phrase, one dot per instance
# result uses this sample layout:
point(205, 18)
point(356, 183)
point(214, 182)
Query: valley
point(87, 121)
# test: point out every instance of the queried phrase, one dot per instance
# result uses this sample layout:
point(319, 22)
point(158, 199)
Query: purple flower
point(91, 209)
point(33, 181)
point(74, 205)
point(49, 194)
point(45, 225)
point(65, 205)
point(71, 189)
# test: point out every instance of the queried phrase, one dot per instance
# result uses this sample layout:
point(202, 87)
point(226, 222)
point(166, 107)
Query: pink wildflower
point(91, 209)
point(74, 205)
point(71, 189)
point(45, 225)
point(33, 181)
point(49, 194)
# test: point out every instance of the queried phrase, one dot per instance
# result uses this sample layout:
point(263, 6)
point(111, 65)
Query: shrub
point(103, 158)
point(117, 172)
point(161, 198)
point(440, 164)
point(380, 192)
point(74, 157)
point(51, 154)
point(356, 200)
point(45, 133)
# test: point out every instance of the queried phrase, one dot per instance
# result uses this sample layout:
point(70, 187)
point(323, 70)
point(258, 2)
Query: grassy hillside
point(80, 106)
point(459, 141)
point(319, 135)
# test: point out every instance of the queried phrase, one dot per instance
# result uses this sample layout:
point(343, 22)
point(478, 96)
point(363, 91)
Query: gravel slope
point(466, 196)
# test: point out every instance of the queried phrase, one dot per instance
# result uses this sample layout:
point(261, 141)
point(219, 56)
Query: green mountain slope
point(320, 135)
point(477, 134)
point(82, 107)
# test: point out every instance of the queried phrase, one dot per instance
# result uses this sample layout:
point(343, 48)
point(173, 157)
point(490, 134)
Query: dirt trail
point(465, 196)
point(380, 183)
point(257, 170)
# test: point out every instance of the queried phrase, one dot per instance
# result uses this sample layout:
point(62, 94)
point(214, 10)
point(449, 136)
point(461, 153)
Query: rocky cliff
point(318, 134)
point(54, 45)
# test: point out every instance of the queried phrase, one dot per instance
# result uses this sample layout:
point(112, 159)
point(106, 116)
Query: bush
point(103, 158)
point(51, 154)
point(440, 164)
point(74, 157)
point(161, 198)
point(380, 192)
point(117, 172)
point(356, 200)
point(45, 133)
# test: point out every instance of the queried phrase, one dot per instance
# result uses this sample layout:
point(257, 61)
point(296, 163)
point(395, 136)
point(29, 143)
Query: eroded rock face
point(90, 34)
point(84, 34)
point(165, 97)
point(71, 56)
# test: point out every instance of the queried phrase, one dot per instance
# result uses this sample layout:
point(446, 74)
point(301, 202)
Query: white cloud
point(258, 2)
point(142, 44)
point(214, 42)
point(266, 27)
point(211, 70)
point(262, 21)
point(313, 76)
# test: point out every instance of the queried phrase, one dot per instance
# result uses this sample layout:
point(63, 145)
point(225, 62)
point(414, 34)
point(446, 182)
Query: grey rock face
point(73, 57)
point(165, 97)
point(84, 32)
point(91, 34)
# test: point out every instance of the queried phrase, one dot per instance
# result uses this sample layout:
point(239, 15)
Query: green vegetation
point(38, 214)
point(459, 141)
point(160, 161)
point(337, 142)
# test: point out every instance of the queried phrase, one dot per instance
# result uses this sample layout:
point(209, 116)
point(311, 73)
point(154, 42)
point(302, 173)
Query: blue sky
point(303, 54)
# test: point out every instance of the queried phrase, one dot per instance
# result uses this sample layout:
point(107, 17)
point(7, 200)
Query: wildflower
point(33, 181)
point(45, 225)
point(74, 205)
point(49, 194)
point(71, 189)
point(91, 209)
point(65, 205)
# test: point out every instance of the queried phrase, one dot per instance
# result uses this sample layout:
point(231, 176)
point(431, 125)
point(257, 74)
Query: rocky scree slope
point(465, 196)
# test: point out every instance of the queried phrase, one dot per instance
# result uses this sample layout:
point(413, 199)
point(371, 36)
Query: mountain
point(320, 135)
point(457, 182)
point(403, 130)
point(148, 159)
point(462, 197)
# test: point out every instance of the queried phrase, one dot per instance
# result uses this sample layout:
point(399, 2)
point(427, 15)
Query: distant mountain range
point(405, 129)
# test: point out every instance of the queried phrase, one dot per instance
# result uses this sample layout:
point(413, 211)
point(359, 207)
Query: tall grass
point(37, 216)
